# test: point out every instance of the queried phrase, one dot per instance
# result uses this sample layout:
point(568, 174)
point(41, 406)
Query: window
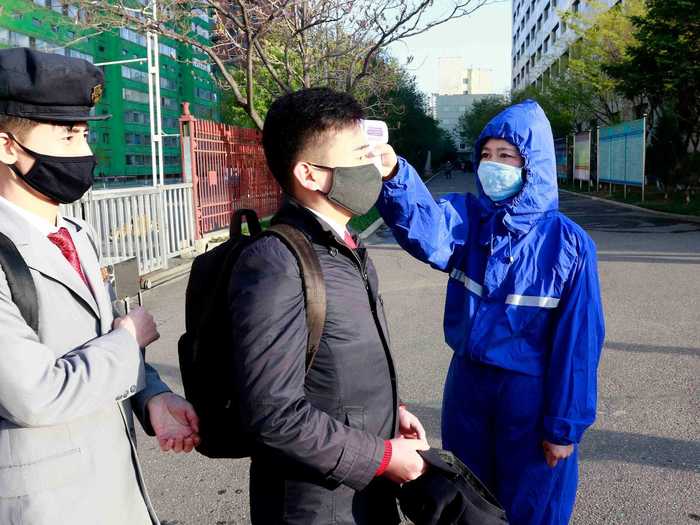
point(79, 54)
point(135, 117)
point(36, 22)
point(554, 34)
point(171, 122)
point(168, 83)
point(199, 30)
point(539, 23)
point(563, 27)
point(135, 96)
point(167, 50)
point(134, 74)
point(57, 6)
point(201, 64)
point(201, 14)
point(168, 103)
point(170, 160)
point(171, 142)
point(136, 160)
point(137, 139)
point(132, 36)
point(12, 38)
point(575, 6)
point(41, 3)
point(539, 53)
point(210, 95)
point(546, 12)
point(546, 44)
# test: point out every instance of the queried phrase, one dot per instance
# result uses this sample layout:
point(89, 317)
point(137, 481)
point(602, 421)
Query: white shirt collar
point(339, 229)
point(41, 224)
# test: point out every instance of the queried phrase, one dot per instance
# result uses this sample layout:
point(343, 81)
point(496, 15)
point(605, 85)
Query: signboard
point(582, 156)
point(560, 152)
point(621, 151)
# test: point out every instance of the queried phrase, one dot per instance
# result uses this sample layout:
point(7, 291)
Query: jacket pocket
point(45, 474)
point(355, 417)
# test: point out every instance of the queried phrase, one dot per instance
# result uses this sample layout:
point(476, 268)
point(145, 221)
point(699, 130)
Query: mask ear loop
point(13, 167)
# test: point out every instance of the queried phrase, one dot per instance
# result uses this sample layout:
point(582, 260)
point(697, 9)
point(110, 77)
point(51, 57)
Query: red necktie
point(349, 240)
point(63, 240)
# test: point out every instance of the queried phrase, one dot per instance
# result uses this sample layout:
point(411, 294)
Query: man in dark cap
point(71, 375)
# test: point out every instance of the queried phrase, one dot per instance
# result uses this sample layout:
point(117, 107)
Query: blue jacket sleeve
point(577, 343)
point(430, 231)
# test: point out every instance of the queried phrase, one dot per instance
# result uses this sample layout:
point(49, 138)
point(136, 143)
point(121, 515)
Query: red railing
point(228, 171)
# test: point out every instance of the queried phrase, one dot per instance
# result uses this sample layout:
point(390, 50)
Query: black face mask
point(63, 179)
point(355, 188)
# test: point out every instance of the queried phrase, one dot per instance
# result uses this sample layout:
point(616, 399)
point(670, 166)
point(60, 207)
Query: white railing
point(152, 224)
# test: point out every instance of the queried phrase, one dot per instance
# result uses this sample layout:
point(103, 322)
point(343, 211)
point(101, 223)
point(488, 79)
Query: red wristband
point(385, 459)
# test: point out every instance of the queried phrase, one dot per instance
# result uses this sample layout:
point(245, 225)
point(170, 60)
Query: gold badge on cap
point(96, 94)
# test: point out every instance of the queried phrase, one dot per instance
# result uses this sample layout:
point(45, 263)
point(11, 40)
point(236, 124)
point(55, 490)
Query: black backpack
point(20, 281)
point(205, 347)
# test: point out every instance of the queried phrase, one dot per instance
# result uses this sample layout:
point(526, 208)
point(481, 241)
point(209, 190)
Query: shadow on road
point(652, 349)
point(604, 445)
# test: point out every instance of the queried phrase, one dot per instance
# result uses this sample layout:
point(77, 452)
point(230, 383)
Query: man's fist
point(406, 464)
point(140, 324)
point(390, 161)
point(553, 453)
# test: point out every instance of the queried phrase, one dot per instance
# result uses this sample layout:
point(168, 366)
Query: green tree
point(604, 35)
point(412, 131)
point(663, 65)
point(472, 121)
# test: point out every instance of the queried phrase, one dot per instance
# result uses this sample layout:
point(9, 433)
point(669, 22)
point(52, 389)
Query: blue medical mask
point(500, 181)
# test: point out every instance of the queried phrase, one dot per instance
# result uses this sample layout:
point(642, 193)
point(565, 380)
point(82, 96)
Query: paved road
point(640, 462)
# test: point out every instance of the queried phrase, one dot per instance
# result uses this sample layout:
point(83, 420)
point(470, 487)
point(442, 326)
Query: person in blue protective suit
point(523, 313)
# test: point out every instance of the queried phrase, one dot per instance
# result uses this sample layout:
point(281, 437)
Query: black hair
point(295, 120)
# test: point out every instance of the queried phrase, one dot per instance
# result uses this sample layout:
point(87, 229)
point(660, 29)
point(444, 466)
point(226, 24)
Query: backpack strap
point(312, 282)
point(236, 223)
point(20, 281)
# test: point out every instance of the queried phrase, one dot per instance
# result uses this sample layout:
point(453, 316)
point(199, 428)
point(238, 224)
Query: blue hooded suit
point(523, 316)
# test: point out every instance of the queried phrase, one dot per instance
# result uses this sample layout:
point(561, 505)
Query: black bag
point(449, 494)
point(20, 281)
point(204, 349)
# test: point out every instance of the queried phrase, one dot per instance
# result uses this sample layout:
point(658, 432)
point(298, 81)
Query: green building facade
point(122, 143)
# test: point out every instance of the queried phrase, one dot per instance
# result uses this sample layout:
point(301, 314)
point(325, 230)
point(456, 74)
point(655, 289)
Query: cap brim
point(69, 118)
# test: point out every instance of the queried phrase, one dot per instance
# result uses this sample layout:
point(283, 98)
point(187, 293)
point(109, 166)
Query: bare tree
point(292, 43)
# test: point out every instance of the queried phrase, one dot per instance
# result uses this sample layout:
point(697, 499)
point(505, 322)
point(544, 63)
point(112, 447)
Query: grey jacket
point(68, 395)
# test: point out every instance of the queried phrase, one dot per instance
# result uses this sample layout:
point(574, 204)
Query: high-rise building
point(455, 79)
point(122, 144)
point(541, 39)
point(450, 108)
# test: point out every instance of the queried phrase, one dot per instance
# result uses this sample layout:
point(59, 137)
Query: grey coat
point(68, 395)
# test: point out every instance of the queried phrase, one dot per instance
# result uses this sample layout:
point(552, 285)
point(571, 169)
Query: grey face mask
point(355, 188)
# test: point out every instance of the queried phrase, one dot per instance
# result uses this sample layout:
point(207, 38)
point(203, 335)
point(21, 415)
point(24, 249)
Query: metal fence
point(152, 224)
point(228, 170)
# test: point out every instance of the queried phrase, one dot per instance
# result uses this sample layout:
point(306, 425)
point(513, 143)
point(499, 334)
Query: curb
point(683, 218)
point(158, 277)
point(369, 230)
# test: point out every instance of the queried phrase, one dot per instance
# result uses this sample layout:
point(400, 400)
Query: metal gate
point(227, 167)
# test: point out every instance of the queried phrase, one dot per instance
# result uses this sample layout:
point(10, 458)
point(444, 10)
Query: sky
point(483, 39)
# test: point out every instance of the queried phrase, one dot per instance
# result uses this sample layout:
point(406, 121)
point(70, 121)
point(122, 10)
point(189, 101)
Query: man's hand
point(406, 464)
point(140, 324)
point(174, 421)
point(553, 453)
point(409, 425)
point(390, 162)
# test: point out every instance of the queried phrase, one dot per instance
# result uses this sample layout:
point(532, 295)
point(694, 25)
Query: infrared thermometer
point(376, 132)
